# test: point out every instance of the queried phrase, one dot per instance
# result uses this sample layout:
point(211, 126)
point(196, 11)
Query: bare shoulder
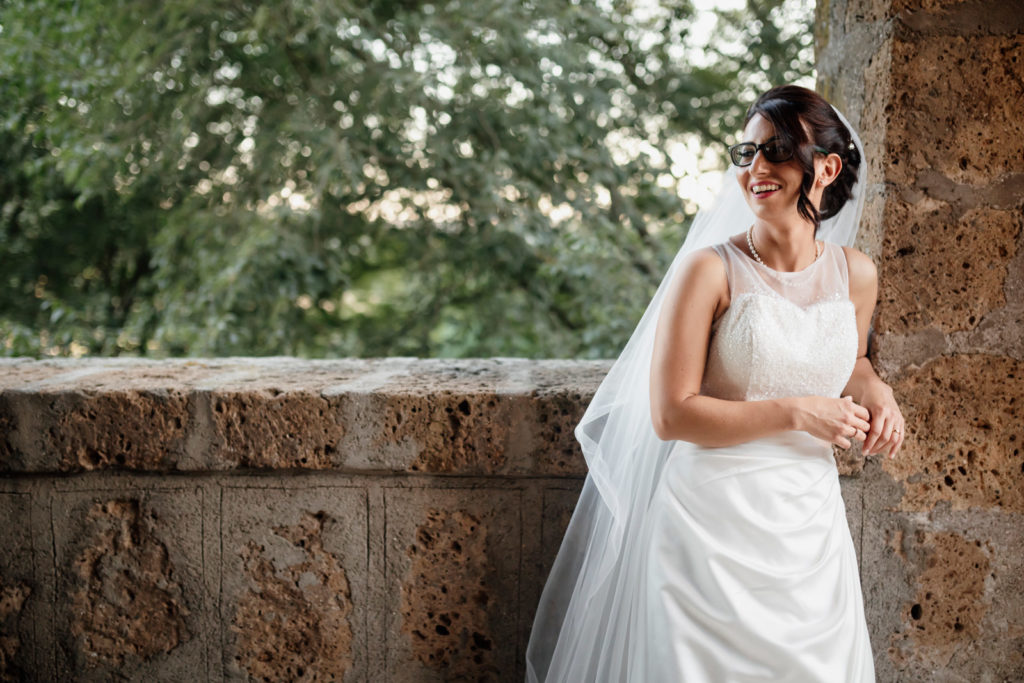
point(702, 269)
point(863, 273)
point(701, 281)
point(705, 260)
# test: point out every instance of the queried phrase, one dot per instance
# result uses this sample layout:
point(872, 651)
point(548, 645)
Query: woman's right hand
point(836, 420)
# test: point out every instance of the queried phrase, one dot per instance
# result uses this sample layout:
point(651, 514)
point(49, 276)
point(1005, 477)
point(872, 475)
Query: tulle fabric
point(587, 623)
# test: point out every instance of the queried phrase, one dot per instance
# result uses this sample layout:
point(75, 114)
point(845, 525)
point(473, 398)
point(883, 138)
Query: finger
point(898, 444)
point(878, 436)
point(842, 442)
point(893, 445)
point(883, 446)
point(862, 425)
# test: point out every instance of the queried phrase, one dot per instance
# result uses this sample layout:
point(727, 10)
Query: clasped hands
point(876, 421)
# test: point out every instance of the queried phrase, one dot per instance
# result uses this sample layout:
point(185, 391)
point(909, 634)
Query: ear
point(828, 170)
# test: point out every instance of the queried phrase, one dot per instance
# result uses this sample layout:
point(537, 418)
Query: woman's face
point(771, 189)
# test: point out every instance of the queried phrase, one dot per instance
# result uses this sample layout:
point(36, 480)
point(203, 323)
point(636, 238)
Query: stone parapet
point(504, 417)
point(279, 519)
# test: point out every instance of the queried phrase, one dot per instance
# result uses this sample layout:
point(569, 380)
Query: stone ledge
point(504, 417)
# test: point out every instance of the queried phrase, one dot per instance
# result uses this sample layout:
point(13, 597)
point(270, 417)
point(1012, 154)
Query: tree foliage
point(332, 178)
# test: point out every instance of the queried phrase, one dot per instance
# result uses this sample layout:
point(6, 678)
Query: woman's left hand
point(887, 425)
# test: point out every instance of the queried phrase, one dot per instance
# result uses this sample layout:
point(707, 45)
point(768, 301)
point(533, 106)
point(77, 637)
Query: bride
point(710, 542)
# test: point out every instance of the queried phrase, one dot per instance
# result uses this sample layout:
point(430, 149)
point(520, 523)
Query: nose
point(759, 163)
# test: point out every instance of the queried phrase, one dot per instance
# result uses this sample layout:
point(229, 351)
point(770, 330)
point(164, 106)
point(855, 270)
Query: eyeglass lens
point(774, 151)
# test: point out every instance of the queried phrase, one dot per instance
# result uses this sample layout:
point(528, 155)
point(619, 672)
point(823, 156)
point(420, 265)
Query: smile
point(764, 188)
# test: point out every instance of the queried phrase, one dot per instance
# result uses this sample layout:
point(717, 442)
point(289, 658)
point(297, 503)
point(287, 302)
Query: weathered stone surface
point(558, 412)
point(950, 601)
point(448, 432)
point(127, 602)
point(451, 554)
point(85, 430)
point(472, 417)
point(963, 442)
point(962, 94)
point(273, 430)
point(16, 587)
point(12, 602)
point(939, 85)
point(136, 431)
point(131, 568)
point(944, 271)
point(849, 461)
point(8, 451)
point(942, 592)
point(960, 17)
point(447, 623)
point(554, 507)
point(475, 417)
point(295, 592)
point(559, 504)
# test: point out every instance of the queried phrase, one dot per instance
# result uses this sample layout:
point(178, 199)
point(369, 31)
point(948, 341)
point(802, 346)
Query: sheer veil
point(584, 625)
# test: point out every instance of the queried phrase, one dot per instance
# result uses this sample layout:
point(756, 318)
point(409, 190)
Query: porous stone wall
point(281, 520)
point(936, 88)
point(392, 520)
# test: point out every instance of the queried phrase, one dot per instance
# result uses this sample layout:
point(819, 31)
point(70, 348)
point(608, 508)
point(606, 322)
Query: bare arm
point(865, 386)
point(696, 295)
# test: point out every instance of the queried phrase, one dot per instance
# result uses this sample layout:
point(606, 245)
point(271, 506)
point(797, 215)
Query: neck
point(786, 247)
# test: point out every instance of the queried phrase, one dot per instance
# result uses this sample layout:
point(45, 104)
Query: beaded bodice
point(784, 334)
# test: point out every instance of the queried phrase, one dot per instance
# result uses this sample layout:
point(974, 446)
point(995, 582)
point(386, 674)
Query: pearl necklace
point(757, 257)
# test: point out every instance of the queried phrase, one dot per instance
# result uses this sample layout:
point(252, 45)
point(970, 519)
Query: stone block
point(496, 417)
point(9, 452)
point(944, 269)
point(18, 588)
point(80, 430)
point(557, 503)
point(130, 567)
point(960, 17)
point(942, 594)
point(557, 414)
point(924, 5)
point(294, 583)
point(452, 573)
point(958, 109)
point(444, 432)
point(963, 440)
point(271, 429)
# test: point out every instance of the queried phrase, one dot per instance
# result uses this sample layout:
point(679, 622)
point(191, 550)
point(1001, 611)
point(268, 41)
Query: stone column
point(937, 89)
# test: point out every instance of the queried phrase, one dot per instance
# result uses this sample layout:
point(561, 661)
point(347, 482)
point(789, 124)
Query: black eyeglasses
point(775, 150)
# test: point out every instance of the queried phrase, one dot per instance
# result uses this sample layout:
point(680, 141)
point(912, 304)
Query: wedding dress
point(717, 565)
point(750, 572)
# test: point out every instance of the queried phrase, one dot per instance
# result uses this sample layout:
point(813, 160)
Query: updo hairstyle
point(795, 112)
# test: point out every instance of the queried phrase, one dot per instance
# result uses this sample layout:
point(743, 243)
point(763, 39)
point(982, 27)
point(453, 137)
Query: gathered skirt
point(749, 572)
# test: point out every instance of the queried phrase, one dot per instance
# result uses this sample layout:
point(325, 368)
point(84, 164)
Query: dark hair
point(794, 112)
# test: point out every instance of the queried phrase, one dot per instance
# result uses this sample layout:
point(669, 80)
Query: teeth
point(768, 187)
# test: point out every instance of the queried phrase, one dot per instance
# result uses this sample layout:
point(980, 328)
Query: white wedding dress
point(748, 571)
